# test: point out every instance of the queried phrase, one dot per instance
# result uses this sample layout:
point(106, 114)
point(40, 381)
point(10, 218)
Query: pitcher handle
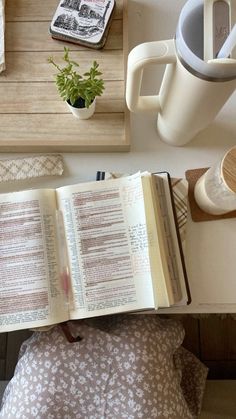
point(157, 52)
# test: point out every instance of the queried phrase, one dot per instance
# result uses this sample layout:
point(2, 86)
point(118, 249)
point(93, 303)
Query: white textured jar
point(215, 191)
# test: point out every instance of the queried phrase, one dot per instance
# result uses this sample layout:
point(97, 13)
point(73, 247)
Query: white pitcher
point(192, 90)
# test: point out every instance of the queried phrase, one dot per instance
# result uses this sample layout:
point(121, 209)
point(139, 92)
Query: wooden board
point(33, 117)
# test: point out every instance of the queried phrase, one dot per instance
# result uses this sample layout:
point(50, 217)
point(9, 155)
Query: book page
point(157, 251)
point(107, 245)
point(30, 289)
point(176, 263)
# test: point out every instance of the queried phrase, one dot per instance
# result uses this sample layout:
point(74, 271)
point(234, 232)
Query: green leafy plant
point(73, 87)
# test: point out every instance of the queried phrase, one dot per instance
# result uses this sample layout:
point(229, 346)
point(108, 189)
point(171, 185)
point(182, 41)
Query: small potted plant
point(79, 91)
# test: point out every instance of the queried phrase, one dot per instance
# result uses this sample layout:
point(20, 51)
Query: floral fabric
point(124, 367)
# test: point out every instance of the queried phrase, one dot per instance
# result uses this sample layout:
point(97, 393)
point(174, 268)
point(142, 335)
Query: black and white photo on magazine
point(82, 19)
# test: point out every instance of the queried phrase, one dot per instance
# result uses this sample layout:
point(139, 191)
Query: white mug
point(192, 91)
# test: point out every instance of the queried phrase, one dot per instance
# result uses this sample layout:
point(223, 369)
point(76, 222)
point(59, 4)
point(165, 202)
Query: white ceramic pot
point(83, 113)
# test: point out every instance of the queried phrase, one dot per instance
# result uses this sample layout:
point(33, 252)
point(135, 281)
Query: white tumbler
point(192, 91)
point(215, 190)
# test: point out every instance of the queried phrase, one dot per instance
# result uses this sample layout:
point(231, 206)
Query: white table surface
point(211, 249)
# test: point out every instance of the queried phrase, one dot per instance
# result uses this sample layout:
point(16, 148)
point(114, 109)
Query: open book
point(88, 250)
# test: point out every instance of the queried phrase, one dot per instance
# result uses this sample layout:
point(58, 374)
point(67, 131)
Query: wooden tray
point(32, 115)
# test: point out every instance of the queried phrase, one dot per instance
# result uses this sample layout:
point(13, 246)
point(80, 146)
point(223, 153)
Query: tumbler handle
point(157, 52)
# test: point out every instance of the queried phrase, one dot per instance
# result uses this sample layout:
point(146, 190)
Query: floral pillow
point(124, 367)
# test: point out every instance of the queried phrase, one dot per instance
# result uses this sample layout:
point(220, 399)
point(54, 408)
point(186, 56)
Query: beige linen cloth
point(2, 36)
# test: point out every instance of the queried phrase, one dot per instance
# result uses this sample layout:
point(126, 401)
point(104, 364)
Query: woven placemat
point(197, 213)
point(31, 167)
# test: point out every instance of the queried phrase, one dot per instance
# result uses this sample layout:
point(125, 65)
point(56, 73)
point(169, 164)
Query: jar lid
point(229, 169)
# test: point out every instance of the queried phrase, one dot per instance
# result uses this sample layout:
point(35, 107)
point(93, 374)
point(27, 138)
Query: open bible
point(89, 249)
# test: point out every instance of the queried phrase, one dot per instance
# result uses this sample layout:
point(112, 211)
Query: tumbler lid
point(190, 45)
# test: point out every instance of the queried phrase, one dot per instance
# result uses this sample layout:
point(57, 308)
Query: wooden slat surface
point(35, 36)
point(2, 369)
point(33, 117)
point(3, 347)
point(33, 66)
point(218, 338)
point(40, 10)
point(58, 132)
point(191, 340)
point(221, 370)
point(21, 98)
